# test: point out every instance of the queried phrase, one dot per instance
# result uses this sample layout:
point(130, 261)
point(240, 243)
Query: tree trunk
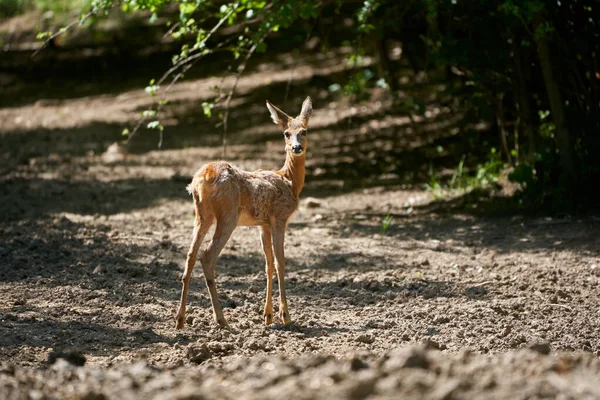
point(502, 127)
point(556, 105)
point(384, 68)
point(525, 111)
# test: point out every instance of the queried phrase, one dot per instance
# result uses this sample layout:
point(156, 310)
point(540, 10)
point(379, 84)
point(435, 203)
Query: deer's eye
point(303, 132)
point(286, 134)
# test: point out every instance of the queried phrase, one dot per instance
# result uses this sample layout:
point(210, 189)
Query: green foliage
point(8, 8)
point(387, 222)
point(358, 83)
point(464, 179)
point(489, 171)
point(547, 127)
point(155, 125)
point(152, 88)
point(523, 175)
point(63, 6)
point(363, 14)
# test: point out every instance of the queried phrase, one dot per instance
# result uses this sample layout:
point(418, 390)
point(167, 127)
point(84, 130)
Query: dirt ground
point(442, 301)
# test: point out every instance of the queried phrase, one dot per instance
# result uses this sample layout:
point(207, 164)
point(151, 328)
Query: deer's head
point(294, 129)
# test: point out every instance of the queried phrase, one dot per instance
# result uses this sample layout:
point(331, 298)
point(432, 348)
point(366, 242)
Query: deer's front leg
point(267, 246)
point(278, 239)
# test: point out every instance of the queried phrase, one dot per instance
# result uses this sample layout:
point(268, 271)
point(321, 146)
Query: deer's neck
point(293, 169)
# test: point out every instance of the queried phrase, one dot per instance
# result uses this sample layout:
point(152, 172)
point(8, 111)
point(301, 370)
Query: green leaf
point(155, 125)
point(43, 35)
point(207, 108)
point(152, 89)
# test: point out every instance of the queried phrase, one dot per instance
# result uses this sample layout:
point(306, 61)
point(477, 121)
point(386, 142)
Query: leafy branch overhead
point(192, 22)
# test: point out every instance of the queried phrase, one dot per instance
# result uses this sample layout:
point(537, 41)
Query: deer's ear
point(278, 116)
point(306, 111)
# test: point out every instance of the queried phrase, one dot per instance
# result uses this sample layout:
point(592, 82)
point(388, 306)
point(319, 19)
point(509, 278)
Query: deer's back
point(261, 196)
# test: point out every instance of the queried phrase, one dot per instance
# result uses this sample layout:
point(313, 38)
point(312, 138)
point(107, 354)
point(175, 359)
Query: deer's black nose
point(297, 148)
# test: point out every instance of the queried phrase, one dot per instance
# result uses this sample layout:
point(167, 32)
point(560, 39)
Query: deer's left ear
point(278, 116)
point(306, 111)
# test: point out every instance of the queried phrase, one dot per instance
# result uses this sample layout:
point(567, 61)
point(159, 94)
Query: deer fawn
point(233, 197)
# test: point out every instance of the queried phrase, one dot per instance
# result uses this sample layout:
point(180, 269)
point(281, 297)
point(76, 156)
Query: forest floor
point(392, 292)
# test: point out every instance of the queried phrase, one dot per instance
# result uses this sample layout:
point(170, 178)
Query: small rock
point(441, 320)
point(431, 331)
point(499, 310)
point(93, 396)
point(360, 388)
point(357, 364)
point(73, 357)
point(311, 202)
point(7, 369)
point(140, 370)
point(197, 353)
point(220, 347)
point(61, 365)
point(417, 360)
point(476, 291)
point(506, 331)
point(35, 394)
point(365, 339)
point(517, 341)
point(407, 358)
point(432, 344)
point(446, 390)
point(542, 347)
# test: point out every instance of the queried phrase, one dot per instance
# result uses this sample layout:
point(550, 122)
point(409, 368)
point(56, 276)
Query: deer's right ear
point(306, 111)
point(278, 116)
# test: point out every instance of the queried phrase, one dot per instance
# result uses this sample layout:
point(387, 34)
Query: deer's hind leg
point(223, 231)
point(266, 240)
point(201, 226)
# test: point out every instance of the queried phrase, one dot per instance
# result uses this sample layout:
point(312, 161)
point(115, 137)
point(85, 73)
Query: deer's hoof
point(285, 317)
point(179, 322)
point(222, 323)
point(268, 318)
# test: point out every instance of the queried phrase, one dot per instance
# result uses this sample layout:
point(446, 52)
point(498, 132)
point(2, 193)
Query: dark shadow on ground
point(482, 230)
point(236, 275)
point(308, 330)
point(80, 267)
point(370, 147)
point(32, 198)
point(87, 337)
point(58, 253)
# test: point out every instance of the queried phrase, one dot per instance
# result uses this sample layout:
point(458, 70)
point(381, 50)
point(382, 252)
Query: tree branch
point(240, 71)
